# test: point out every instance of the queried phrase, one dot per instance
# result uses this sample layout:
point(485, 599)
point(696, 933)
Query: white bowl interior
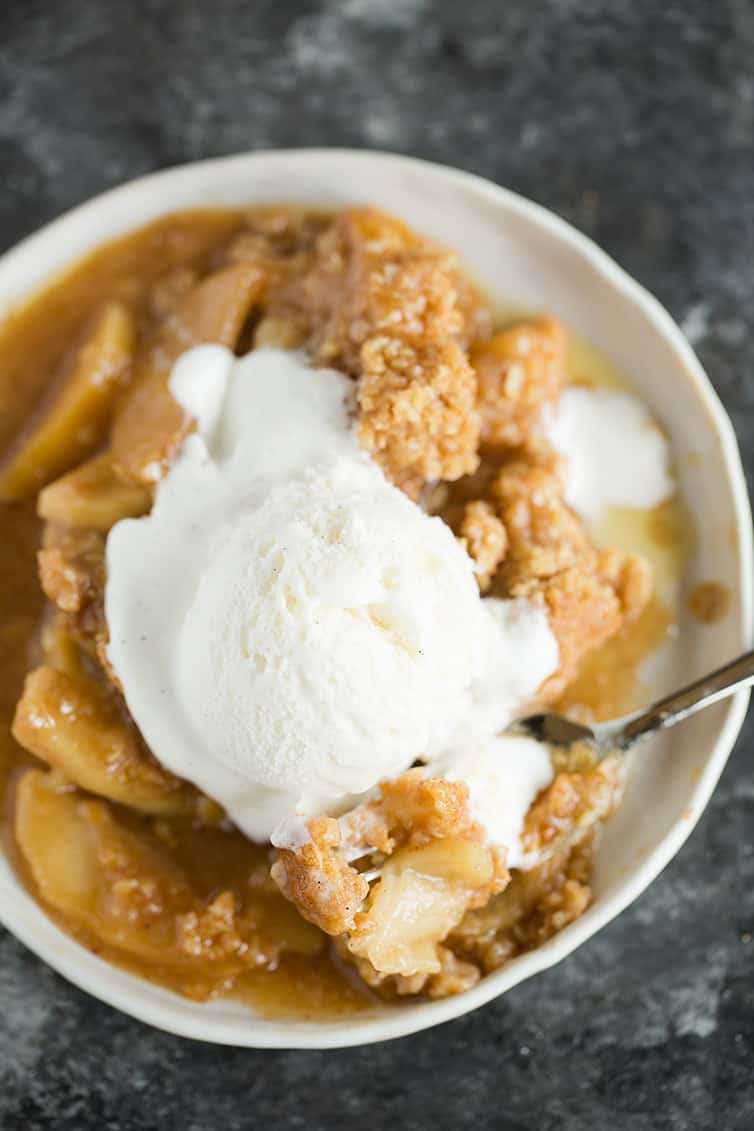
point(526, 257)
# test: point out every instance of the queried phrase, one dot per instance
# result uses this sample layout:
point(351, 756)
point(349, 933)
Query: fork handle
point(703, 692)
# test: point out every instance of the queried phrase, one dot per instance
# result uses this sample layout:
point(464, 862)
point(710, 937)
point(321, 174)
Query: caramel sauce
point(607, 683)
point(21, 603)
point(709, 602)
point(305, 989)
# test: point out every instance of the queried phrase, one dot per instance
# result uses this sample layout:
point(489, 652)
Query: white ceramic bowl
point(528, 257)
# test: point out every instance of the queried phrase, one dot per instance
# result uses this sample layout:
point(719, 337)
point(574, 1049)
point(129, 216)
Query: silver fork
point(621, 734)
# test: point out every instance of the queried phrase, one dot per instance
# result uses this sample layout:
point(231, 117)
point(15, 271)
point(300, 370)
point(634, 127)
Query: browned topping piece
point(149, 424)
point(395, 312)
point(519, 371)
point(72, 567)
point(278, 243)
point(71, 426)
point(454, 976)
point(575, 800)
point(325, 888)
point(584, 611)
point(485, 538)
point(411, 809)
point(630, 577)
point(710, 601)
point(75, 724)
point(72, 574)
point(536, 905)
point(417, 414)
point(589, 595)
point(589, 603)
point(544, 536)
point(211, 931)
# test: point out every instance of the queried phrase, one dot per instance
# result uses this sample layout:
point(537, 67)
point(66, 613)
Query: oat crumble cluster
point(141, 867)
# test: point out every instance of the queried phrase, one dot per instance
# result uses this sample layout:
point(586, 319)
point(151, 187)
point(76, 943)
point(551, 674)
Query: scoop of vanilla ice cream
point(613, 450)
point(288, 628)
point(340, 630)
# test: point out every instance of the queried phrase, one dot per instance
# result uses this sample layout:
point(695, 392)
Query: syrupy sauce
point(710, 601)
point(608, 683)
point(21, 603)
point(314, 985)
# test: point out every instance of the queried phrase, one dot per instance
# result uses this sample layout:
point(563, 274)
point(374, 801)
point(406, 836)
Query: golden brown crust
point(396, 313)
point(589, 594)
point(77, 726)
point(72, 574)
point(563, 826)
point(412, 809)
point(536, 905)
point(485, 539)
point(544, 536)
point(417, 415)
point(573, 802)
point(519, 371)
point(324, 887)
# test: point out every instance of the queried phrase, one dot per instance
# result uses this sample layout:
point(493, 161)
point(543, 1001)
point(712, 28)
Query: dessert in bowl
point(323, 505)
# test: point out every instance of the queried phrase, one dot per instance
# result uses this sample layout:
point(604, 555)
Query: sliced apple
point(93, 496)
point(76, 421)
point(73, 723)
point(149, 424)
point(53, 840)
point(408, 915)
point(59, 649)
point(422, 894)
point(98, 874)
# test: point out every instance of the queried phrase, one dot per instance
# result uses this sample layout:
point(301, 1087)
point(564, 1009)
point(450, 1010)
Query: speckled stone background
point(635, 121)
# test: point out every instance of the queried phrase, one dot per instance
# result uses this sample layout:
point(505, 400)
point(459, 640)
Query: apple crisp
point(402, 895)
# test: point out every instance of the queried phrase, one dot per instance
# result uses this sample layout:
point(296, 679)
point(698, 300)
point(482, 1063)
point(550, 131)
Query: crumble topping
point(485, 538)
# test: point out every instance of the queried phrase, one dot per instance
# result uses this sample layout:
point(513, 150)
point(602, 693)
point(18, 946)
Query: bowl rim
point(161, 1008)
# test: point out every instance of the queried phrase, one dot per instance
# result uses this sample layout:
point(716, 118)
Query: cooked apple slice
point(421, 896)
point(149, 424)
point(73, 723)
point(59, 648)
point(54, 843)
point(92, 496)
point(408, 916)
point(76, 421)
point(99, 874)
